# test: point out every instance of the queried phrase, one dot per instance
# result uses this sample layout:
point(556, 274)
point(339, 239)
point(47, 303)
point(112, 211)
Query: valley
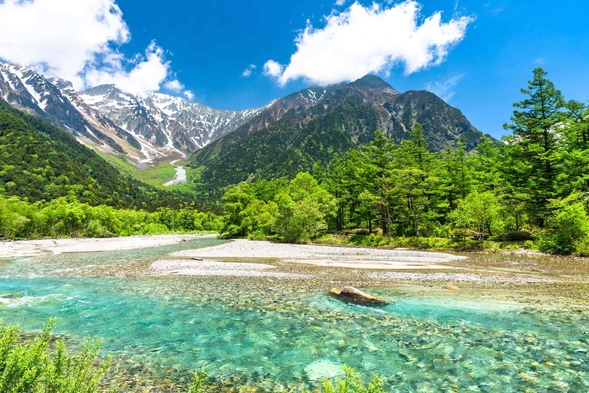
point(188, 238)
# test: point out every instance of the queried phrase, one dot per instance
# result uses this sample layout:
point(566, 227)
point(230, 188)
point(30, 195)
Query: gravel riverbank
point(346, 257)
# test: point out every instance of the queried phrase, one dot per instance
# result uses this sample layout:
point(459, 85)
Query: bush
point(36, 368)
point(353, 383)
point(154, 229)
point(568, 227)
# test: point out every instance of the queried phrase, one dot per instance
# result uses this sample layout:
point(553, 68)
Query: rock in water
point(451, 288)
point(353, 295)
point(322, 369)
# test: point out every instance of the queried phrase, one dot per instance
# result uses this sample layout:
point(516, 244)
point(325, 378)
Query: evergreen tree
point(533, 151)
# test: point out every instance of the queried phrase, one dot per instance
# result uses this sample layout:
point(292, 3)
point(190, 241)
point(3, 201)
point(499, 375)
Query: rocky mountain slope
point(43, 162)
point(165, 121)
point(314, 124)
point(56, 102)
point(142, 128)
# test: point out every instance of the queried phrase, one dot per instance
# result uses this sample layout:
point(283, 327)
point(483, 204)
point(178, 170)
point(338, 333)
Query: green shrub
point(199, 383)
point(154, 229)
point(568, 227)
point(37, 368)
point(353, 383)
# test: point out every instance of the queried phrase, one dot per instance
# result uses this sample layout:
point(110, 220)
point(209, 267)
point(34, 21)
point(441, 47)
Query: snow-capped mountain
point(165, 121)
point(143, 128)
point(56, 101)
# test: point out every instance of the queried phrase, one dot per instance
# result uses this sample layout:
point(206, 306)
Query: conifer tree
point(533, 151)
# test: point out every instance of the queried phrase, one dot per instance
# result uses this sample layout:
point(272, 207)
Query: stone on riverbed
point(353, 295)
point(322, 369)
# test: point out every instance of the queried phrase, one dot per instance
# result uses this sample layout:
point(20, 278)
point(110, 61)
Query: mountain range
point(143, 128)
point(314, 124)
point(286, 136)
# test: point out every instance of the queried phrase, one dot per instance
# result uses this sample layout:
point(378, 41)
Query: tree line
point(533, 186)
point(68, 217)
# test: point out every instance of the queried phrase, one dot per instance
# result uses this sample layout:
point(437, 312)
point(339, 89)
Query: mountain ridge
point(294, 133)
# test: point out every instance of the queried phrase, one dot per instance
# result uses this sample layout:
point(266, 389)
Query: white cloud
point(273, 69)
point(248, 70)
point(78, 41)
point(339, 3)
point(373, 39)
point(174, 85)
point(189, 95)
point(445, 88)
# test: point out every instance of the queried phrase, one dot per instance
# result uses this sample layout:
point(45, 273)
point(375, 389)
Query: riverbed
point(504, 329)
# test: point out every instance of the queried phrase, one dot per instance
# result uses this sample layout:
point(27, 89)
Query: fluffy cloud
point(445, 88)
point(248, 70)
point(78, 41)
point(273, 69)
point(363, 40)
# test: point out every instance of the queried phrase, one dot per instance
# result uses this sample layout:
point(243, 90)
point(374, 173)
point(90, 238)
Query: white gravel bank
point(211, 268)
point(29, 248)
point(363, 258)
point(459, 277)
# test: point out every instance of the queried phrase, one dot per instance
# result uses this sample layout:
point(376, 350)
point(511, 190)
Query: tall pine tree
point(533, 151)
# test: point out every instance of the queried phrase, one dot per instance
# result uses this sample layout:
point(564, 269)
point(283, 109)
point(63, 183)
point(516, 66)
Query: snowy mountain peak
point(164, 120)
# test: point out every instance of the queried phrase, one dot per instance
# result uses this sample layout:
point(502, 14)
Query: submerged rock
point(322, 369)
point(451, 288)
point(353, 295)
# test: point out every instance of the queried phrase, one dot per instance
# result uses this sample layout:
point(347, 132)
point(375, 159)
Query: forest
point(531, 188)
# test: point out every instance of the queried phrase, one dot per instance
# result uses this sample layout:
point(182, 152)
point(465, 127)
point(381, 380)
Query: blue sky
point(206, 46)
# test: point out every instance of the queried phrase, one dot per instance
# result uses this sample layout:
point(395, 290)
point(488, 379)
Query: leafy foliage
point(37, 368)
point(70, 218)
point(537, 183)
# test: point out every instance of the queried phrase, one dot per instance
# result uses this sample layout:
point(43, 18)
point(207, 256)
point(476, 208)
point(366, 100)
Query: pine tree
point(533, 152)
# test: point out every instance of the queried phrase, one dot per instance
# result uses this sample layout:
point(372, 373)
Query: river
point(180, 175)
point(272, 333)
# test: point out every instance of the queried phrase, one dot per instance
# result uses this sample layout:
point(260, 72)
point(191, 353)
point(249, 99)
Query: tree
point(378, 156)
point(567, 226)
point(478, 210)
point(302, 209)
point(236, 201)
point(576, 152)
point(533, 152)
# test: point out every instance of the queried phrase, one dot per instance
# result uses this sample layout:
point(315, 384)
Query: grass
point(156, 176)
point(419, 243)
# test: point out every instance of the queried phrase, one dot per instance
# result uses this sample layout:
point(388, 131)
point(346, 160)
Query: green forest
point(532, 188)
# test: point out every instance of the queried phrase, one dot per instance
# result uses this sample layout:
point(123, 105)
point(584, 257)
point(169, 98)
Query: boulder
point(451, 288)
point(353, 295)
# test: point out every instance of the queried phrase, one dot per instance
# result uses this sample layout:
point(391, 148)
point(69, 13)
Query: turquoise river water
point(278, 334)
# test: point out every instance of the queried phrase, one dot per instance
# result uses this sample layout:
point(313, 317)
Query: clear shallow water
point(269, 336)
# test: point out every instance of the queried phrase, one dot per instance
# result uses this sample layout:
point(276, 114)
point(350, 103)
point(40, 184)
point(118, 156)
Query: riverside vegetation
point(533, 188)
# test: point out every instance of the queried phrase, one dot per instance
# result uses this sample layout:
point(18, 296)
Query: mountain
point(56, 102)
point(143, 128)
point(43, 162)
point(165, 121)
point(311, 125)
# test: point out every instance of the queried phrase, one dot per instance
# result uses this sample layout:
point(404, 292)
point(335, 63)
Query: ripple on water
point(238, 327)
